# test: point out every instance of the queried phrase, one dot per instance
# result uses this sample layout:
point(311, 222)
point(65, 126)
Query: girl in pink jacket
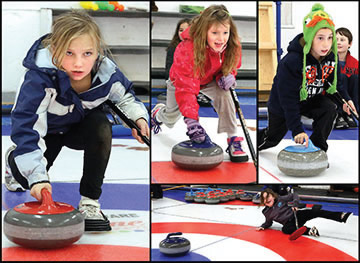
point(207, 60)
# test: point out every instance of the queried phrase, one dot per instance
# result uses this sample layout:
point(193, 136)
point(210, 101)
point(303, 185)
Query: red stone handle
point(47, 200)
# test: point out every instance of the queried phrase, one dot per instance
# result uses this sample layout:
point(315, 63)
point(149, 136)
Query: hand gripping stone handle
point(128, 121)
point(243, 125)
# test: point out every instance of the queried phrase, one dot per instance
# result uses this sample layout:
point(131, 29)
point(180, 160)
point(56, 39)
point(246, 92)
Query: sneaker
point(203, 100)
point(235, 151)
point(341, 123)
point(95, 220)
point(90, 208)
point(10, 183)
point(344, 216)
point(350, 121)
point(314, 232)
point(155, 124)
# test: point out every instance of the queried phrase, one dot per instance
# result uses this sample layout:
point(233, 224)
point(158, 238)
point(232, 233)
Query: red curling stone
point(45, 224)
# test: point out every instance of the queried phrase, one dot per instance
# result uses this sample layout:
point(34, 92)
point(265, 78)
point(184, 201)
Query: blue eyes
point(86, 54)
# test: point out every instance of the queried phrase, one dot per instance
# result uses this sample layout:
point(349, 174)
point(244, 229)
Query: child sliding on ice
point(207, 60)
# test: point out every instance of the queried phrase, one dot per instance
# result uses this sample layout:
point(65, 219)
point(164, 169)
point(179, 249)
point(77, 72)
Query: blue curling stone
point(298, 160)
point(197, 156)
point(174, 246)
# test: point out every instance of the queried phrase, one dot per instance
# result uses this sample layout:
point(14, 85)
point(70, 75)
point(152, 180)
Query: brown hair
point(69, 26)
point(345, 32)
point(269, 191)
point(176, 39)
point(198, 32)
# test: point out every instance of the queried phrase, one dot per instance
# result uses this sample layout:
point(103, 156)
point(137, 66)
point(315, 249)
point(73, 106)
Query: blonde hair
point(214, 14)
point(69, 26)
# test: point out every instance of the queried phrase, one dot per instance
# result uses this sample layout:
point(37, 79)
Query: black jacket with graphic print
point(284, 97)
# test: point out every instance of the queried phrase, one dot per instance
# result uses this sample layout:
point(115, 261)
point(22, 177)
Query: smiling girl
point(277, 209)
point(59, 103)
point(207, 60)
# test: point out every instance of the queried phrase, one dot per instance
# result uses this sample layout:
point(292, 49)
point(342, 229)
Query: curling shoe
point(10, 182)
point(235, 151)
point(95, 220)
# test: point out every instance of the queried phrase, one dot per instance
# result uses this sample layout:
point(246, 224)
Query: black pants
point(94, 136)
point(320, 108)
point(305, 215)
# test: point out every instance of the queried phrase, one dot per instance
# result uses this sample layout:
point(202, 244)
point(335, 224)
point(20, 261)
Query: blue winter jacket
point(46, 103)
point(284, 97)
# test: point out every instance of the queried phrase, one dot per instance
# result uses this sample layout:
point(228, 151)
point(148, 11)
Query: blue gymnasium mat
point(128, 196)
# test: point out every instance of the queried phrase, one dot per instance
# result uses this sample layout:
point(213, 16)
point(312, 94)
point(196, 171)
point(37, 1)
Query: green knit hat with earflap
point(314, 21)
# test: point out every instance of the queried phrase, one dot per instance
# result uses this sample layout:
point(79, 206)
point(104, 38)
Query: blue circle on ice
point(156, 255)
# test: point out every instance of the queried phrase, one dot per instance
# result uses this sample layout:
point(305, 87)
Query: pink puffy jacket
point(187, 87)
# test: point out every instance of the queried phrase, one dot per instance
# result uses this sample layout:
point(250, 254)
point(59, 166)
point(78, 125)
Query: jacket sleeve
point(342, 82)
point(187, 86)
point(268, 223)
point(29, 126)
point(293, 197)
point(122, 95)
point(289, 76)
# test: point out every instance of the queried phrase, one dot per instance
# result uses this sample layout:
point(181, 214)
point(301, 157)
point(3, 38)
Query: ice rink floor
point(343, 158)
point(215, 230)
point(163, 170)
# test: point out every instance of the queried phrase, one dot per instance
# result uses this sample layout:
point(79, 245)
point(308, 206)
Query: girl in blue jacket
point(59, 103)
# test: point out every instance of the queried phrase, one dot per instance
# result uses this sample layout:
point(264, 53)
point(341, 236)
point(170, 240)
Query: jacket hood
point(38, 57)
point(295, 46)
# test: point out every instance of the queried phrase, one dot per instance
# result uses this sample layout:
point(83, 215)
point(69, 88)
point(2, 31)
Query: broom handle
point(342, 100)
point(243, 125)
point(128, 121)
point(296, 220)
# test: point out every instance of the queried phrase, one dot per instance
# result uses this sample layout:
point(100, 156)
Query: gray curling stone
point(246, 197)
point(174, 246)
point(45, 224)
point(301, 161)
point(197, 156)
